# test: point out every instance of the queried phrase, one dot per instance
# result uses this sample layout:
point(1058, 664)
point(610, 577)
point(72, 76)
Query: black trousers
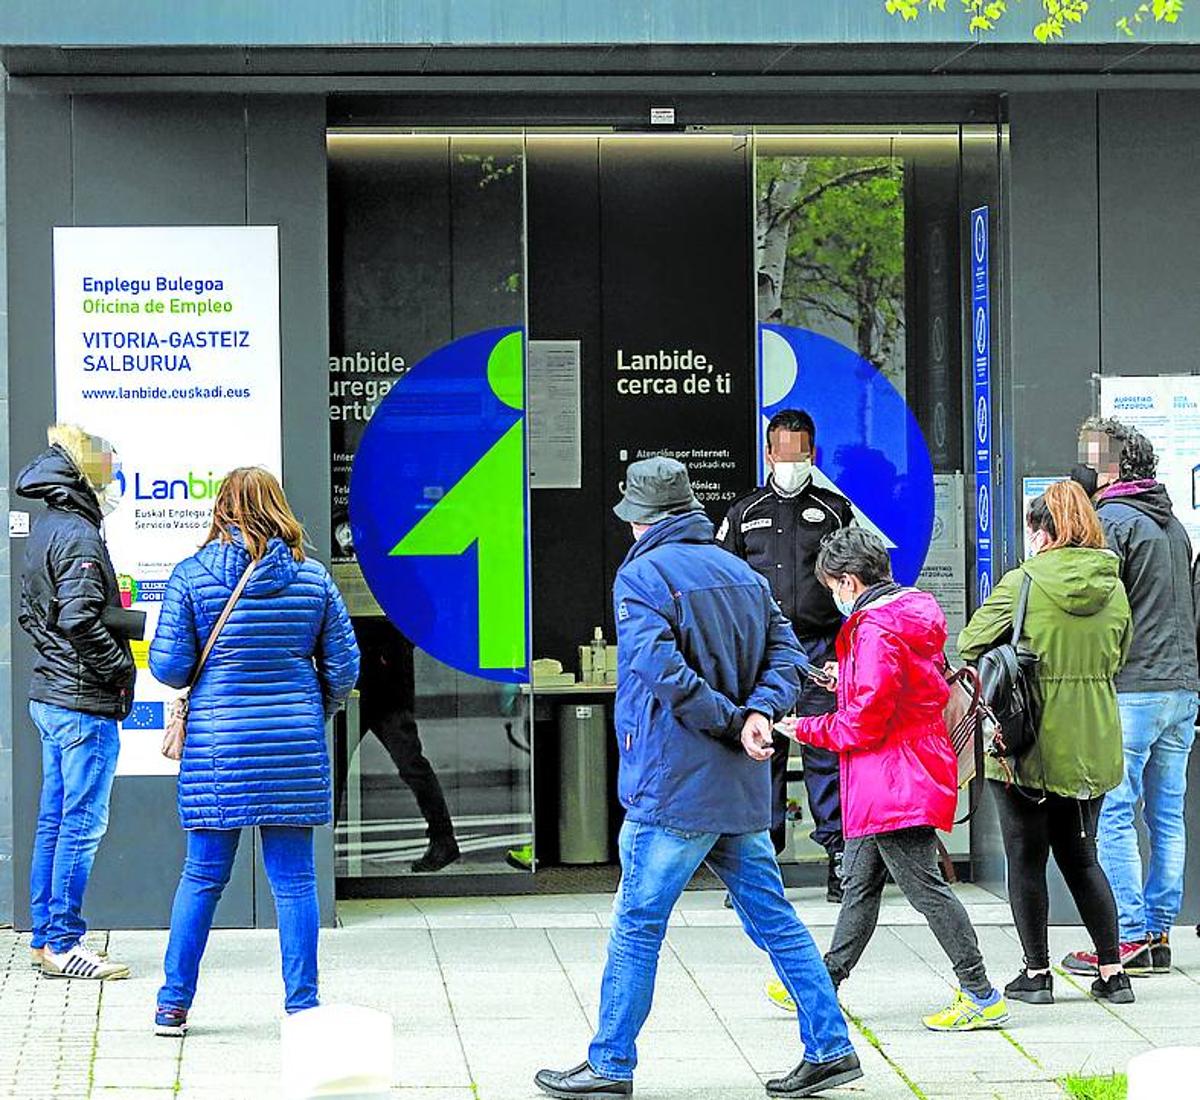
point(387, 686)
point(1032, 829)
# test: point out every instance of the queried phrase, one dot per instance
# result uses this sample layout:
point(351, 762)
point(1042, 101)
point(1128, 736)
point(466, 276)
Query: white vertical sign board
point(944, 574)
point(166, 343)
point(1166, 410)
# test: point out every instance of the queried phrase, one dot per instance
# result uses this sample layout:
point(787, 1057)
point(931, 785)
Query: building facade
point(513, 250)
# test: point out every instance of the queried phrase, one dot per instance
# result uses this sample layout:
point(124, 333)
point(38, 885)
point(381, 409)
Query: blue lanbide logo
point(437, 506)
point(869, 445)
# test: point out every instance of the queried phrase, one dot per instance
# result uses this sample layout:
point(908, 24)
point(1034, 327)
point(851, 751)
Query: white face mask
point(789, 477)
point(109, 497)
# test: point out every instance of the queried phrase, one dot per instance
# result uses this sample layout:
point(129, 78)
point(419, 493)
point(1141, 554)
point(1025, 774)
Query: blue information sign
point(981, 354)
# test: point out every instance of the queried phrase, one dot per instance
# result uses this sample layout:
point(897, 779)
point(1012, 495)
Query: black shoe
point(810, 1078)
point(442, 851)
point(728, 901)
point(1160, 953)
point(582, 1080)
point(833, 884)
point(1033, 991)
point(1116, 989)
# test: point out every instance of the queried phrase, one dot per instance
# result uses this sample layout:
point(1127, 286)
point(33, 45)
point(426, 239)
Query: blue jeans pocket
point(62, 727)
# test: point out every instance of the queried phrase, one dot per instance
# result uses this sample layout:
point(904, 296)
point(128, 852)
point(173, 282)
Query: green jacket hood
point(1077, 580)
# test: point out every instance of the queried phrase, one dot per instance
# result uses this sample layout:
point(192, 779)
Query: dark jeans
point(1066, 827)
point(821, 769)
point(387, 685)
point(79, 760)
point(288, 858)
point(911, 856)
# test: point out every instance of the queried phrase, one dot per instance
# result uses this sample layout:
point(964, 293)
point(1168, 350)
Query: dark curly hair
point(1138, 460)
point(855, 552)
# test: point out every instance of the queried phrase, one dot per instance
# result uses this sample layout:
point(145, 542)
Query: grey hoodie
point(1156, 559)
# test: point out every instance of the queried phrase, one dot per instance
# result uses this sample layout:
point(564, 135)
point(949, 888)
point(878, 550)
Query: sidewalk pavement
point(484, 991)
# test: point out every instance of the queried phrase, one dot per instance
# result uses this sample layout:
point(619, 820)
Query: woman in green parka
point(1078, 623)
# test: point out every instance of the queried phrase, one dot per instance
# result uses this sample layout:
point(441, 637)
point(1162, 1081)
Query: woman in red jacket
point(898, 769)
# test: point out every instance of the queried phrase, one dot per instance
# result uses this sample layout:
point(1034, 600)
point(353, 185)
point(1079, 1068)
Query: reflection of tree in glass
point(495, 169)
point(830, 249)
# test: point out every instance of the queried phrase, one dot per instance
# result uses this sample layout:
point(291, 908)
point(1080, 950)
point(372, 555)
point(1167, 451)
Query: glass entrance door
point(515, 318)
point(426, 402)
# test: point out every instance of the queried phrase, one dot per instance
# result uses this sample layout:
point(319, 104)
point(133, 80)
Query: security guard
point(778, 530)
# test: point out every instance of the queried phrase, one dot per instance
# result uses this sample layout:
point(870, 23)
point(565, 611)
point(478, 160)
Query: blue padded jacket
point(255, 752)
point(701, 644)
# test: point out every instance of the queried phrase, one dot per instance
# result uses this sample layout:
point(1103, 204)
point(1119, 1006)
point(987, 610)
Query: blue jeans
point(656, 864)
point(288, 858)
point(79, 760)
point(1157, 728)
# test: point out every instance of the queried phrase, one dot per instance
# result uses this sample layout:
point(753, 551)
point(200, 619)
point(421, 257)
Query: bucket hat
point(656, 489)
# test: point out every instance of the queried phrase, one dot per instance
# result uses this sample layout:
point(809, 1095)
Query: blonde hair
point(251, 501)
point(86, 451)
point(1066, 514)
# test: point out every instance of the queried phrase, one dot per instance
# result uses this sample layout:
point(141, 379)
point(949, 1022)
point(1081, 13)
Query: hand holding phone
point(823, 677)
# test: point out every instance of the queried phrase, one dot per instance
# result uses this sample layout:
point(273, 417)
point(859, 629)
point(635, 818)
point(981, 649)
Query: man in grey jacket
point(1156, 691)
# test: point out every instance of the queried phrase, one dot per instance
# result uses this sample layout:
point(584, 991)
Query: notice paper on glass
point(555, 419)
point(1165, 409)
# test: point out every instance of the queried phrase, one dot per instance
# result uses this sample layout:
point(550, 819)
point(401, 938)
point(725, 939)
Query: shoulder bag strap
point(1022, 605)
point(226, 611)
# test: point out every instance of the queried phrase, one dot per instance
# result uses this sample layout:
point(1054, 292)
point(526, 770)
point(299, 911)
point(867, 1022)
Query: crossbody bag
point(176, 734)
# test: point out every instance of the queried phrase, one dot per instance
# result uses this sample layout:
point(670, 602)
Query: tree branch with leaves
point(1058, 16)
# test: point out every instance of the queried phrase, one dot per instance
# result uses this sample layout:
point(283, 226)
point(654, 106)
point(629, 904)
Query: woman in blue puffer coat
point(255, 754)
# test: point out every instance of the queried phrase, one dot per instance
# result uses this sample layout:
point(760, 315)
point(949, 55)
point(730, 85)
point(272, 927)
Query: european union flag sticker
point(146, 716)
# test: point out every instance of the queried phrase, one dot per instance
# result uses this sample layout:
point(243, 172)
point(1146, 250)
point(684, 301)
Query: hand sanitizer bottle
point(599, 655)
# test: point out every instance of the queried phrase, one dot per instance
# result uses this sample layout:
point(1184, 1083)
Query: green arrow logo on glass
point(486, 508)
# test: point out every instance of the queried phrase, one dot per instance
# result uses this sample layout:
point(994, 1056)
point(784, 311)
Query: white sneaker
point(79, 962)
point(38, 954)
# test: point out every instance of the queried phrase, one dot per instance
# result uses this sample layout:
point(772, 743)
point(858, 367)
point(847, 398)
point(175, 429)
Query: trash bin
point(583, 784)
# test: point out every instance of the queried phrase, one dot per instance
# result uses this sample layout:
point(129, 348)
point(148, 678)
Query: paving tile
point(1088, 1057)
point(556, 920)
point(132, 1094)
point(140, 1072)
point(401, 1093)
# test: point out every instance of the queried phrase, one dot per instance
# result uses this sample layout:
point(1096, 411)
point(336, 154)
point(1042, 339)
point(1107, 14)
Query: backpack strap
point(1022, 607)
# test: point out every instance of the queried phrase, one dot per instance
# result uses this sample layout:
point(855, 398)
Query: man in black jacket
point(1156, 692)
point(778, 529)
point(82, 685)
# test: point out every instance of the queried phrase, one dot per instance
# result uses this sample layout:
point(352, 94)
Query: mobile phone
point(819, 677)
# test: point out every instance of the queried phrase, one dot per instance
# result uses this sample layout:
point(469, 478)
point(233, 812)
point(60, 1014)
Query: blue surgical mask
point(845, 607)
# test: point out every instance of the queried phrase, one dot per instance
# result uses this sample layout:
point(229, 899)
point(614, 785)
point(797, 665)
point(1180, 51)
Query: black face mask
point(1085, 477)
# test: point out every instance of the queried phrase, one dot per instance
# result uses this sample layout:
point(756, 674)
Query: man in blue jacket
point(707, 664)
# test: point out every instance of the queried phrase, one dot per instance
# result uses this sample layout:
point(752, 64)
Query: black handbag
point(1008, 676)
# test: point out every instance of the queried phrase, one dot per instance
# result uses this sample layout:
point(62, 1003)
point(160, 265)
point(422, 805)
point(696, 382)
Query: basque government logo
point(437, 506)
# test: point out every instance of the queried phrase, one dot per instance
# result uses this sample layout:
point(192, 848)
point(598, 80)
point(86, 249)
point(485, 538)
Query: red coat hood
point(911, 615)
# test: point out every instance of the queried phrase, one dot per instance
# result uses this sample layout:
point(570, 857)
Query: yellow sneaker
point(778, 995)
point(967, 1014)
